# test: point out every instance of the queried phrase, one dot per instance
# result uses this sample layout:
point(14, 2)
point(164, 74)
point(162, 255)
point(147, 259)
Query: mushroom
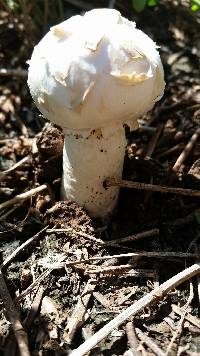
point(91, 75)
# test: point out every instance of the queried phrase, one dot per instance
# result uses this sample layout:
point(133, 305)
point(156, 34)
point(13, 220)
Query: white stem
point(89, 158)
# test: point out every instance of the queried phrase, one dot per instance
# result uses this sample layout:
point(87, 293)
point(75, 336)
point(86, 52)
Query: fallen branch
point(14, 319)
point(145, 301)
point(23, 196)
point(112, 182)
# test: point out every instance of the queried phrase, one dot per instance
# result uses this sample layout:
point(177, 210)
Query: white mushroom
point(91, 75)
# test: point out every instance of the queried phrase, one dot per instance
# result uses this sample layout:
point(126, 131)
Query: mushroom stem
point(88, 159)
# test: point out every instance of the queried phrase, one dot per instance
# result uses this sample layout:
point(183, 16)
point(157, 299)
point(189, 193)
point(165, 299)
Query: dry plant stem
point(188, 148)
point(19, 249)
point(88, 237)
point(15, 166)
point(80, 233)
point(148, 299)
point(78, 315)
point(132, 338)
point(110, 182)
point(138, 236)
point(192, 319)
point(14, 319)
point(149, 342)
point(23, 196)
point(121, 270)
point(135, 254)
point(123, 255)
point(141, 235)
point(180, 324)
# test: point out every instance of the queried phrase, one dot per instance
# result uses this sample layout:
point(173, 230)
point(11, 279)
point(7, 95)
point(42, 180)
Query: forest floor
point(47, 293)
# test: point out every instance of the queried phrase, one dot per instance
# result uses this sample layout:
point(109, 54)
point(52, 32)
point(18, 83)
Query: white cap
point(95, 70)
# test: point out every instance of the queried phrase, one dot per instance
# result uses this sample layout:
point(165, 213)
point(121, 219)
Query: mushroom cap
point(95, 70)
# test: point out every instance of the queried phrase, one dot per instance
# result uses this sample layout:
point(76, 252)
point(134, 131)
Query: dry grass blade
point(14, 318)
point(112, 182)
point(145, 301)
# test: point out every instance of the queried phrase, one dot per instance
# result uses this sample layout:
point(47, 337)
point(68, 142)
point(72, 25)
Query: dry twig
point(153, 254)
point(23, 196)
point(115, 243)
point(120, 270)
point(141, 235)
point(145, 301)
point(15, 166)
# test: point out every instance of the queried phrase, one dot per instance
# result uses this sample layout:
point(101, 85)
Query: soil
point(37, 279)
